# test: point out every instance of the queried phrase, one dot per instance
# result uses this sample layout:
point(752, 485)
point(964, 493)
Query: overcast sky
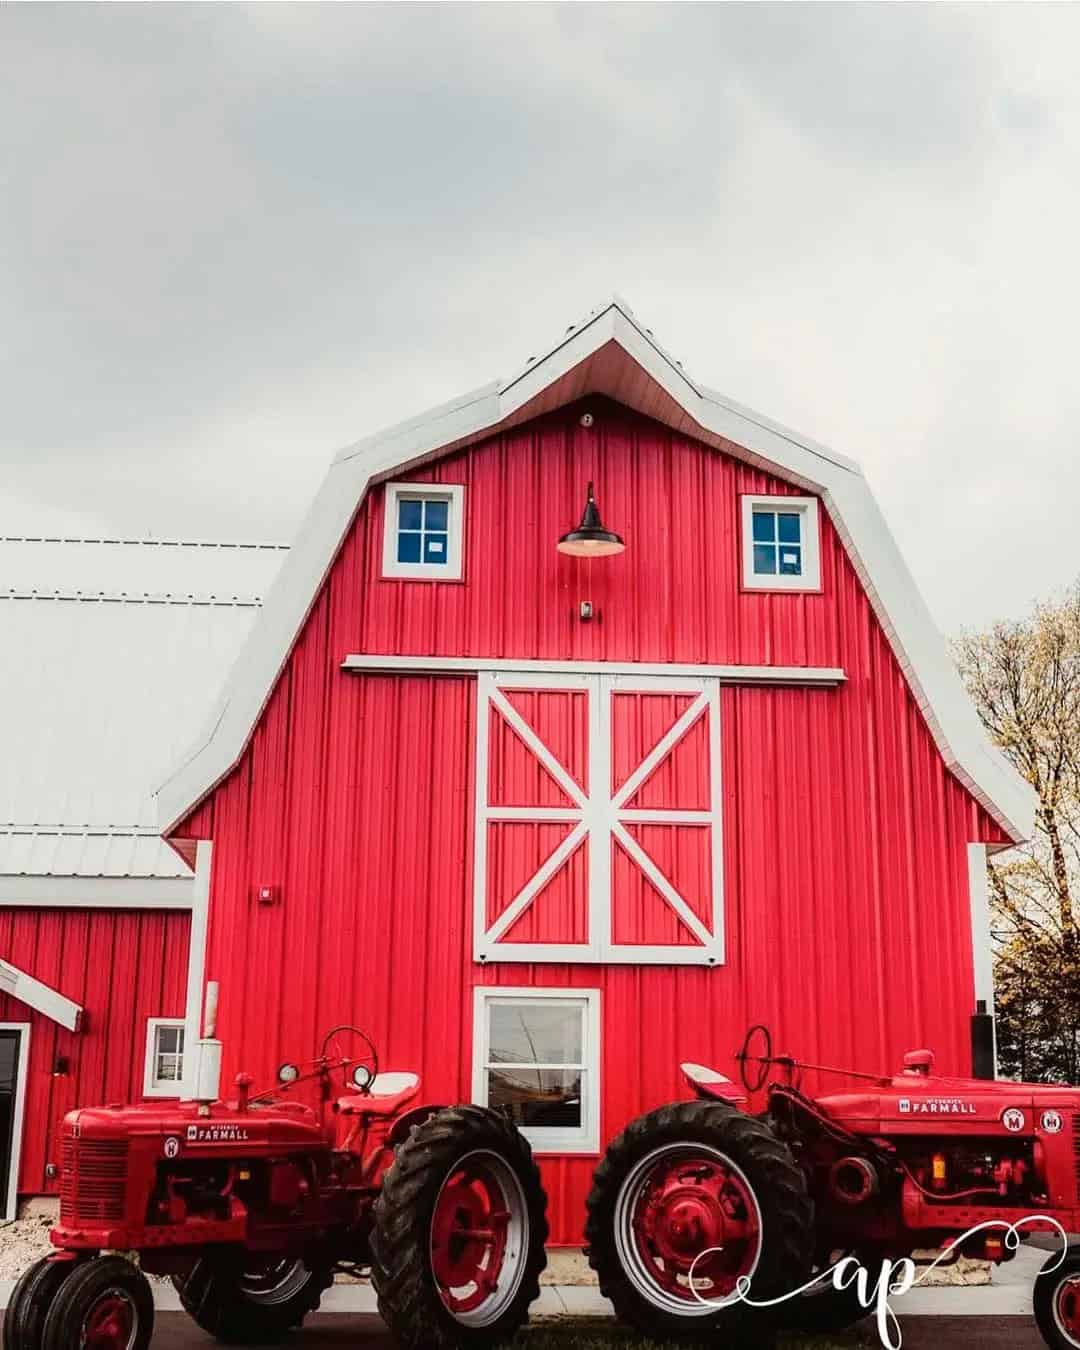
point(234, 239)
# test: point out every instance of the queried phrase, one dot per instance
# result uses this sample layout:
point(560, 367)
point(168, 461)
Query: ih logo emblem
point(1052, 1122)
point(172, 1147)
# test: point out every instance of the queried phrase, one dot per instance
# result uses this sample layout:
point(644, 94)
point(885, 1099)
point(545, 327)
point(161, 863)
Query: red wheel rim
point(110, 1324)
point(1067, 1307)
point(688, 1213)
point(471, 1237)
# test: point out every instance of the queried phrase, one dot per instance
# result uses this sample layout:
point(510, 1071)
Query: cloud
point(236, 238)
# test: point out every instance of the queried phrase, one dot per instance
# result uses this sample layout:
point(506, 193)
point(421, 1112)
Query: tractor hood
point(187, 1127)
point(918, 1103)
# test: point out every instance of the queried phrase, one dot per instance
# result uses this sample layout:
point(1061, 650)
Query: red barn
point(548, 820)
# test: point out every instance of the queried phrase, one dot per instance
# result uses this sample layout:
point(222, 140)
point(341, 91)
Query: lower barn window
point(164, 1072)
point(537, 1055)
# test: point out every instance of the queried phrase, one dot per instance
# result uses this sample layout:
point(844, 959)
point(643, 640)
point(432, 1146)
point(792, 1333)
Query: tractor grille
point(94, 1181)
point(1076, 1150)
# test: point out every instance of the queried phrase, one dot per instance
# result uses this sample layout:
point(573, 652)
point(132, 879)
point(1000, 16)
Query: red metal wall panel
point(122, 967)
point(844, 838)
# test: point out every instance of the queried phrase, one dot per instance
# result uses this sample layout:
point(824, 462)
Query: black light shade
point(590, 539)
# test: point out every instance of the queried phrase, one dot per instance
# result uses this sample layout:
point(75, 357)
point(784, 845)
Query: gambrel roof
point(609, 353)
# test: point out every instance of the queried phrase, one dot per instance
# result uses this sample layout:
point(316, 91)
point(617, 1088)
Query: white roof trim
point(39, 996)
point(47, 892)
point(602, 356)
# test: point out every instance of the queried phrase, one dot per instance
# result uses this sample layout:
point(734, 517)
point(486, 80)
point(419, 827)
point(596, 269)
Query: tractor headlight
point(288, 1073)
point(362, 1077)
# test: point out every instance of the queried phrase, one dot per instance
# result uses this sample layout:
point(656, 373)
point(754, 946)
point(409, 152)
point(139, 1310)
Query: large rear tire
point(460, 1227)
point(30, 1301)
point(1056, 1300)
point(104, 1304)
point(240, 1300)
point(698, 1191)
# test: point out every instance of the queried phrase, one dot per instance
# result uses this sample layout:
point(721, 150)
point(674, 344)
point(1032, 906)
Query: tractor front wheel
point(31, 1299)
point(460, 1227)
point(690, 1203)
point(1056, 1300)
point(103, 1304)
point(241, 1299)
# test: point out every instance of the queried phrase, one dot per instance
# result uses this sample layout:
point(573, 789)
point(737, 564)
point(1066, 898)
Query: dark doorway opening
point(10, 1052)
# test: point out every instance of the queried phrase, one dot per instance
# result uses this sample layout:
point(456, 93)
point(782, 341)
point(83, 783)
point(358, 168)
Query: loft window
point(423, 530)
point(537, 1056)
point(780, 544)
point(164, 1071)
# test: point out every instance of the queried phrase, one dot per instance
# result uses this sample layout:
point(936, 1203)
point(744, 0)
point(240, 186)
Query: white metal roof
point(113, 651)
point(609, 353)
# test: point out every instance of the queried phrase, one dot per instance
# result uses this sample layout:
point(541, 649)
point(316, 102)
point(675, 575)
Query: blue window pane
point(789, 527)
point(764, 526)
point(408, 516)
point(790, 560)
point(408, 547)
point(436, 515)
point(435, 548)
point(765, 559)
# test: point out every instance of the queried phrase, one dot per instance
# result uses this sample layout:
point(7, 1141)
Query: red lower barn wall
point(122, 967)
point(845, 839)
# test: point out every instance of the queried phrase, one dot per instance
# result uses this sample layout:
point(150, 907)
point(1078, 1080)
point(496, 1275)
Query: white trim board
point(38, 892)
point(196, 980)
point(611, 354)
point(626, 671)
point(41, 997)
point(11, 1199)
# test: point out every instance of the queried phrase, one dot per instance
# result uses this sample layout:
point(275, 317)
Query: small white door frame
point(11, 1198)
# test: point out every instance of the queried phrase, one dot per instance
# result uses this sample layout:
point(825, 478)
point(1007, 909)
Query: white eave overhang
point(609, 354)
point(40, 997)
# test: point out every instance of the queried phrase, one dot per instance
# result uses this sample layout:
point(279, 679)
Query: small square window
point(164, 1069)
point(537, 1057)
point(780, 543)
point(423, 531)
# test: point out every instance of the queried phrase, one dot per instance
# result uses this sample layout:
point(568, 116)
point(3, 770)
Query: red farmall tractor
point(252, 1205)
point(693, 1196)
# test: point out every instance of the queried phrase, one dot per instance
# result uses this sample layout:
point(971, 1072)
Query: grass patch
point(589, 1334)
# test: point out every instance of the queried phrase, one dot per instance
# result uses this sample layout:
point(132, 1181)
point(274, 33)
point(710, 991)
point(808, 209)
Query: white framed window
point(780, 545)
point(422, 531)
point(163, 1075)
point(536, 1053)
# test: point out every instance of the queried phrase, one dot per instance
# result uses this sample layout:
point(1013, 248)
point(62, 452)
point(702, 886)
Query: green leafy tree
point(1024, 677)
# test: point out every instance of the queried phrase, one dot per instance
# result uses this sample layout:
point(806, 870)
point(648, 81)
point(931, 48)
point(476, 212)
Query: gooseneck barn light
point(590, 539)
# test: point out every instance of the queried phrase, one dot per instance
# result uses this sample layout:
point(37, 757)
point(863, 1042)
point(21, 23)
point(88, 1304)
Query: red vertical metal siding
point(844, 837)
point(121, 966)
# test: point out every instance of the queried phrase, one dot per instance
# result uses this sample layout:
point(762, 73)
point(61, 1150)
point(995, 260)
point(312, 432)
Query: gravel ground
point(21, 1243)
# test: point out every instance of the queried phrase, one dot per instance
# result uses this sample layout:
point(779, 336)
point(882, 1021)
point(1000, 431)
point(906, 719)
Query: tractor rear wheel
point(31, 1299)
point(1056, 1300)
point(689, 1202)
point(460, 1227)
point(104, 1304)
point(241, 1299)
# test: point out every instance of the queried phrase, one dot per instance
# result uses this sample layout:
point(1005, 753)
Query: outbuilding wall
point(122, 967)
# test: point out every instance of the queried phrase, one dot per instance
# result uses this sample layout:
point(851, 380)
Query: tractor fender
point(403, 1126)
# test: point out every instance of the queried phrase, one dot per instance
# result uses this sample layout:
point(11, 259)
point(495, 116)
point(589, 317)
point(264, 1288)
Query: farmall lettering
point(216, 1134)
point(936, 1106)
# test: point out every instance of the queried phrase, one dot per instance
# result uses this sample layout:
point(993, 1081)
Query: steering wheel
point(756, 1049)
point(361, 1069)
